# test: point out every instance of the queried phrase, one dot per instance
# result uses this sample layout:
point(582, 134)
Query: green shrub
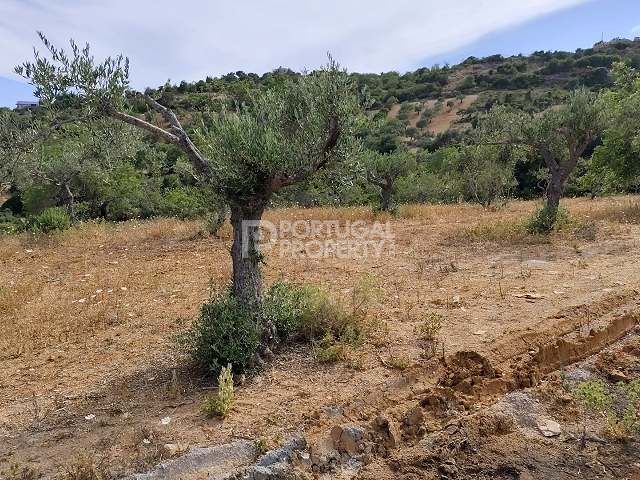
point(221, 404)
point(51, 219)
point(224, 333)
point(308, 313)
point(10, 223)
point(546, 220)
point(286, 306)
point(183, 203)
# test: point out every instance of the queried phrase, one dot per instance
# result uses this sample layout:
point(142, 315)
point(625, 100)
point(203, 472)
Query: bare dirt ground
point(444, 119)
point(88, 320)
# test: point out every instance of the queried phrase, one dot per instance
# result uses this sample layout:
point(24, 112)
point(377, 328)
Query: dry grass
point(68, 286)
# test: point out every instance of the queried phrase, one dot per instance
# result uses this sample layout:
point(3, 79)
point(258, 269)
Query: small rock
point(549, 428)
point(174, 449)
point(414, 417)
point(348, 438)
point(456, 300)
point(529, 295)
point(480, 332)
point(448, 469)
point(387, 430)
point(334, 411)
point(91, 416)
point(617, 376)
point(165, 421)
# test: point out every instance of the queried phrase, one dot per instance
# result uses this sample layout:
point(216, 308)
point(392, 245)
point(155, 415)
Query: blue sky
point(259, 35)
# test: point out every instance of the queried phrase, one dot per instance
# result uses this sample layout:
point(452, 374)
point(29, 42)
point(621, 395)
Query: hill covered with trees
point(416, 130)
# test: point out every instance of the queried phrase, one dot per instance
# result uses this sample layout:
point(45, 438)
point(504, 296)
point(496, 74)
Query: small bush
point(428, 331)
point(546, 220)
point(17, 472)
point(330, 350)
point(309, 314)
point(224, 333)
point(221, 404)
point(11, 224)
point(430, 327)
point(87, 468)
point(50, 220)
point(617, 406)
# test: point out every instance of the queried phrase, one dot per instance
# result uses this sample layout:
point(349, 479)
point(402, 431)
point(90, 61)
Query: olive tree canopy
point(278, 137)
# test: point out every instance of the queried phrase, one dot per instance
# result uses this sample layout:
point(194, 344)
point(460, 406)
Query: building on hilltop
point(24, 105)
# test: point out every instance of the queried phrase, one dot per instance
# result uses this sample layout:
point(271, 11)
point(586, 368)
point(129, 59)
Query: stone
point(387, 430)
point(414, 417)
point(549, 428)
point(322, 455)
point(617, 376)
point(348, 438)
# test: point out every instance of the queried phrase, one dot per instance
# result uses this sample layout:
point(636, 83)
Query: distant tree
point(384, 169)
point(70, 151)
point(486, 173)
point(468, 82)
point(382, 135)
point(18, 135)
point(280, 137)
point(560, 136)
point(619, 153)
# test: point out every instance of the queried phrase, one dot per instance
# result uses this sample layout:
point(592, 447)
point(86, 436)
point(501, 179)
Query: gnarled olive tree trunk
point(245, 253)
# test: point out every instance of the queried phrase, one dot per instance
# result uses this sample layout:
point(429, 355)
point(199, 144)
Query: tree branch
point(280, 181)
point(149, 127)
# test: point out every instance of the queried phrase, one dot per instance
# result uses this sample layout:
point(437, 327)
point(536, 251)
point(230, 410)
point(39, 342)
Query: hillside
point(449, 94)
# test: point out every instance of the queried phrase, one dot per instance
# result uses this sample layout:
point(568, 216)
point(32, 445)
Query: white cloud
point(636, 30)
point(194, 38)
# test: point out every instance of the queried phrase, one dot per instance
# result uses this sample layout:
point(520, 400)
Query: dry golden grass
point(68, 286)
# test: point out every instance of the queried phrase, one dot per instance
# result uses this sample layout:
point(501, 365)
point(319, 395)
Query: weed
point(221, 404)
point(618, 408)
point(17, 472)
point(86, 468)
point(429, 331)
point(430, 327)
point(51, 220)
point(331, 350)
point(357, 362)
point(262, 446)
point(545, 220)
point(398, 362)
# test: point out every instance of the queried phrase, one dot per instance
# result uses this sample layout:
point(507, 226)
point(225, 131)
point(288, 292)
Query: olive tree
point(62, 155)
point(560, 136)
point(384, 169)
point(278, 137)
point(619, 154)
point(486, 172)
point(18, 133)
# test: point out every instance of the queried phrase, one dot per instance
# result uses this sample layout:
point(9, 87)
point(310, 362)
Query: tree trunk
point(69, 201)
point(247, 275)
point(385, 197)
point(553, 194)
point(245, 254)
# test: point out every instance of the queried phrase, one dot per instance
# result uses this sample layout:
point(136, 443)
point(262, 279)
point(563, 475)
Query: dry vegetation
point(88, 320)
